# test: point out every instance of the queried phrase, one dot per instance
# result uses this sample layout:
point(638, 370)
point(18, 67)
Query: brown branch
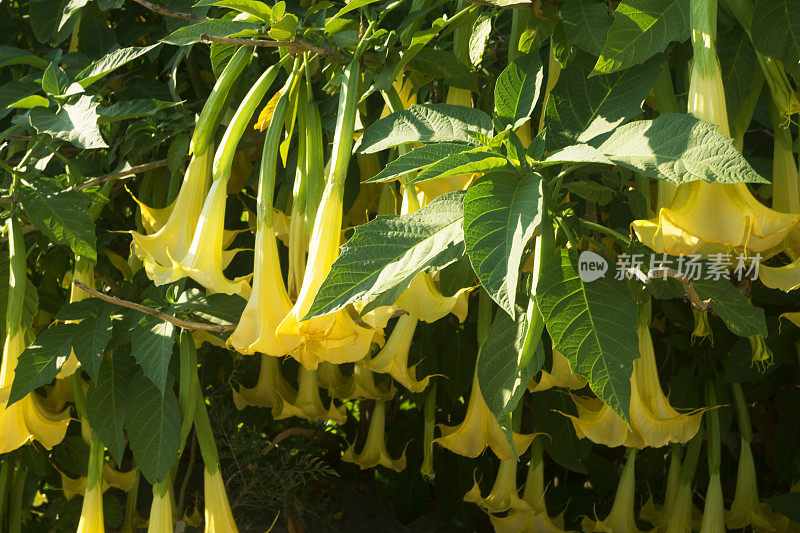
point(285, 434)
point(138, 169)
point(297, 46)
point(185, 324)
point(691, 292)
point(168, 12)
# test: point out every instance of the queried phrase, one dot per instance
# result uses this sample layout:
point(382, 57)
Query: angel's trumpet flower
point(504, 495)
point(218, 515)
point(123, 481)
point(367, 200)
point(374, 452)
point(714, 510)
point(423, 300)
point(560, 375)
point(535, 519)
point(91, 520)
point(269, 390)
point(174, 237)
point(83, 272)
point(338, 385)
point(306, 403)
point(707, 218)
point(654, 422)
point(336, 337)
point(747, 509)
point(621, 517)
point(762, 354)
point(393, 357)
point(161, 517)
point(657, 515)
point(702, 328)
point(366, 388)
point(479, 430)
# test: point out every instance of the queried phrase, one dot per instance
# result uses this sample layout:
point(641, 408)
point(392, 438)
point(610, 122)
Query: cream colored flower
point(503, 495)
point(374, 452)
point(306, 403)
point(268, 391)
point(560, 375)
point(218, 516)
point(393, 357)
point(621, 517)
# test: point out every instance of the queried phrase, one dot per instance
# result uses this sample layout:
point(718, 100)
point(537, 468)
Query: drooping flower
point(268, 391)
point(91, 520)
point(429, 424)
point(174, 237)
point(762, 354)
point(621, 517)
point(306, 403)
point(658, 515)
point(560, 375)
point(747, 508)
point(218, 516)
point(504, 495)
point(366, 388)
point(480, 430)
point(714, 510)
point(161, 516)
point(338, 385)
point(393, 357)
point(374, 452)
point(702, 329)
point(423, 300)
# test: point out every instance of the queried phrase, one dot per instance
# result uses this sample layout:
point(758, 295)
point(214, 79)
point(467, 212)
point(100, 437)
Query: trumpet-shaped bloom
point(479, 430)
point(423, 300)
point(747, 509)
point(393, 357)
point(306, 403)
point(203, 260)
point(161, 516)
point(336, 337)
point(91, 520)
point(560, 375)
point(219, 518)
point(657, 515)
point(270, 389)
point(654, 422)
point(702, 328)
point(365, 387)
point(173, 236)
point(504, 495)
point(714, 510)
point(375, 452)
point(112, 477)
point(762, 354)
point(621, 517)
point(268, 304)
point(338, 385)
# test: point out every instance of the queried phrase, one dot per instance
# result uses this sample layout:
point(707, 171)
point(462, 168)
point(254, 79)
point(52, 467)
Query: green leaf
point(416, 159)
point(215, 28)
point(427, 123)
point(54, 80)
point(90, 341)
point(139, 107)
point(58, 214)
point(787, 504)
point(384, 255)
point(586, 23)
point(105, 5)
point(110, 62)
point(467, 162)
point(501, 212)
point(30, 102)
point(75, 123)
point(517, 90)
point(741, 317)
point(738, 62)
point(215, 308)
point(444, 65)
point(502, 376)
point(678, 148)
point(256, 8)
point(591, 191)
point(352, 6)
point(776, 32)
point(10, 55)
point(594, 325)
point(53, 20)
point(151, 345)
point(40, 362)
point(479, 37)
point(560, 442)
point(14, 91)
point(642, 29)
point(154, 427)
point(107, 401)
point(582, 107)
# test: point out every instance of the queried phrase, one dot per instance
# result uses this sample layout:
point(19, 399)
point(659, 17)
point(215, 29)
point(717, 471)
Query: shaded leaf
point(107, 401)
point(40, 362)
point(151, 345)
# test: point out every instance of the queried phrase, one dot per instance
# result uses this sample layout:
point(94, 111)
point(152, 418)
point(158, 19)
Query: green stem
point(689, 464)
point(15, 509)
point(742, 412)
point(94, 473)
point(664, 92)
point(128, 524)
point(5, 487)
point(188, 384)
point(205, 435)
point(713, 445)
point(608, 231)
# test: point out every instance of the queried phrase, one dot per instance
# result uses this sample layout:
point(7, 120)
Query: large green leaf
point(257, 8)
point(738, 62)
point(215, 28)
point(787, 504)
point(384, 255)
point(75, 123)
point(517, 90)
point(427, 123)
point(776, 32)
point(138, 107)
point(502, 375)
point(11, 55)
point(111, 62)
point(107, 401)
point(90, 341)
point(586, 23)
point(443, 64)
point(582, 107)
point(501, 212)
point(594, 325)
point(560, 440)
point(467, 162)
point(416, 159)
point(59, 214)
point(154, 427)
point(642, 29)
point(673, 147)
point(151, 345)
point(741, 316)
point(40, 362)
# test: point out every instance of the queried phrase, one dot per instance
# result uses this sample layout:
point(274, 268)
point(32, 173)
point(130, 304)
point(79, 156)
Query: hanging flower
point(714, 511)
point(375, 452)
point(503, 495)
point(306, 403)
point(393, 357)
point(423, 300)
point(161, 520)
point(560, 375)
point(338, 385)
point(479, 430)
point(366, 388)
point(270, 389)
point(91, 520)
point(621, 517)
point(218, 516)
point(747, 509)
point(702, 329)
point(659, 515)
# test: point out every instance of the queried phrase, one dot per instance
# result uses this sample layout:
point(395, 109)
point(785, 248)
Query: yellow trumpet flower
point(218, 516)
point(702, 328)
point(112, 477)
point(621, 517)
point(393, 357)
point(762, 354)
point(659, 515)
point(306, 403)
point(560, 375)
point(365, 387)
point(161, 515)
point(338, 385)
point(714, 511)
point(203, 260)
point(268, 304)
point(423, 300)
point(91, 520)
point(269, 390)
point(479, 430)
point(337, 337)
point(747, 509)
point(503, 495)
point(375, 452)
point(174, 236)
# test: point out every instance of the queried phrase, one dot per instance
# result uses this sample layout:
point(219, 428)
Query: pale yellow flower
point(747, 508)
point(714, 510)
point(560, 375)
point(218, 516)
point(307, 403)
point(91, 520)
point(621, 517)
point(374, 452)
point(423, 300)
point(393, 357)
point(161, 515)
point(504, 495)
point(268, 391)
point(365, 387)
